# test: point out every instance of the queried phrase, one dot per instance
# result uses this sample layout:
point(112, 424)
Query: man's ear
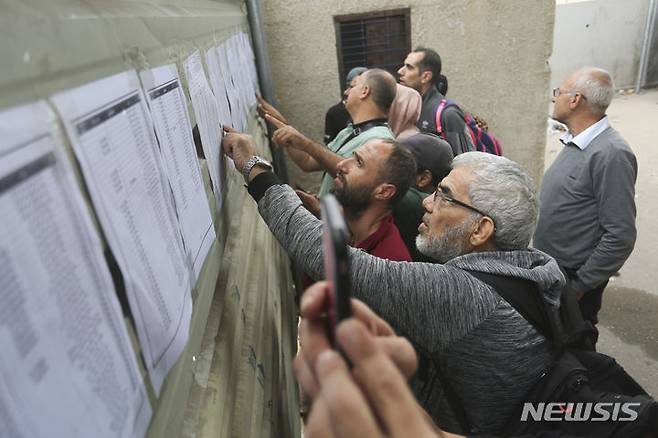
point(384, 192)
point(426, 76)
point(365, 91)
point(576, 100)
point(483, 232)
point(424, 180)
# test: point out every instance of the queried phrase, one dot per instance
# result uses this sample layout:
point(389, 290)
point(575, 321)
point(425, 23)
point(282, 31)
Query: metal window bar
point(373, 42)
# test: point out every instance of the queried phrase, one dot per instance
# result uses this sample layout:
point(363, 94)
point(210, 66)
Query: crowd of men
point(428, 216)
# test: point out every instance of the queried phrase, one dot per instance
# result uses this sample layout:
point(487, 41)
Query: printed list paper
point(112, 136)
point(206, 113)
point(67, 367)
point(218, 83)
point(174, 134)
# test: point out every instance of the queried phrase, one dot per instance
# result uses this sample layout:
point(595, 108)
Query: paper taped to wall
point(174, 133)
point(66, 357)
point(218, 84)
point(248, 52)
point(207, 117)
point(112, 137)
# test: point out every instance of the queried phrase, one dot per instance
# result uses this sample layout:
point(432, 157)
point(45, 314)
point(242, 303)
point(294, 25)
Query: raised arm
point(421, 301)
point(264, 107)
point(298, 145)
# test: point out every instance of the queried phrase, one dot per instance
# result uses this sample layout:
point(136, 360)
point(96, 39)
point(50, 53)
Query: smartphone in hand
point(336, 264)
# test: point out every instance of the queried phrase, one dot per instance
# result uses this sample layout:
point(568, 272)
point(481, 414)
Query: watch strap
point(254, 160)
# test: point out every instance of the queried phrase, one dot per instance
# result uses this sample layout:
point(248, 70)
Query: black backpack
point(583, 392)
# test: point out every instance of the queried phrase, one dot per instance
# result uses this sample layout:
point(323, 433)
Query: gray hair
point(597, 86)
point(503, 190)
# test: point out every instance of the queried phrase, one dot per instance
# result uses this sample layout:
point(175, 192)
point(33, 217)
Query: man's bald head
point(596, 85)
point(382, 86)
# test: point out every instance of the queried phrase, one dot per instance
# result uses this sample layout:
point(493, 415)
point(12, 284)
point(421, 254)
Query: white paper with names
point(237, 114)
point(248, 53)
point(206, 113)
point(112, 136)
point(218, 84)
point(174, 133)
point(67, 367)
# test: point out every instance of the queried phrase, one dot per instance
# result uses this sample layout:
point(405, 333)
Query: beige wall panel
point(243, 382)
point(494, 55)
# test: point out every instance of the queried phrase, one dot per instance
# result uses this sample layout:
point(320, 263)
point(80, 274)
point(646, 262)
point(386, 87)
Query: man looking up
point(337, 116)
point(480, 219)
point(421, 71)
point(587, 209)
point(368, 102)
point(368, 185)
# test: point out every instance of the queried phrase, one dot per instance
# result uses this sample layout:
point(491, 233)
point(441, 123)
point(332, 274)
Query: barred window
point(374, 39)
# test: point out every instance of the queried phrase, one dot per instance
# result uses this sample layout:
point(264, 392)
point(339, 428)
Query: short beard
point(355, 201)
point(447, 246)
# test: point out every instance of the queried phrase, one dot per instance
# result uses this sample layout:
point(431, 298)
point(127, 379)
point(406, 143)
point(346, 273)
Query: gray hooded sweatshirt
point(488, 353)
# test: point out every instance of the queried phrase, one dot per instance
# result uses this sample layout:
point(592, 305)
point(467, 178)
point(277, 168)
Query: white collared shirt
point(583, 139)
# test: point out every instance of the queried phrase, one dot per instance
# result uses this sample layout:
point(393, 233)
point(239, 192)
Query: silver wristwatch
point(254, 160)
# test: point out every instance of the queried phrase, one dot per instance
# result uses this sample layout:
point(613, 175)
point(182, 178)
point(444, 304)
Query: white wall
point(652, 67)
point(601, 33)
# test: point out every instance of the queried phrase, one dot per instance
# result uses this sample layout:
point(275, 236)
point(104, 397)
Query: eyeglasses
point(557, 92)
point(438, 193)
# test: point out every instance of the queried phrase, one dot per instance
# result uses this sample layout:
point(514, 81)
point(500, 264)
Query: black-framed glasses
point(438, 193)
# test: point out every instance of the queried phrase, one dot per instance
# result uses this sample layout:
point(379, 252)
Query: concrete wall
point(494, 55)
point(652, 66)
point(603, 33)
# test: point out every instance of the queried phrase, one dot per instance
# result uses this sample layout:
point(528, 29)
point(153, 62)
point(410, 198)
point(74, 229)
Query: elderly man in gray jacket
point(480, 218)
point(587, 208)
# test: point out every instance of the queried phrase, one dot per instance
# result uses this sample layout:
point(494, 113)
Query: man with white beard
point(480, 218)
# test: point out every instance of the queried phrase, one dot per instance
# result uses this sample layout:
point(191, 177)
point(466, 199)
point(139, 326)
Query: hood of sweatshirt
point(530, 264)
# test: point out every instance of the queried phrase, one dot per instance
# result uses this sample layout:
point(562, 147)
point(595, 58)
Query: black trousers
point(590, 302)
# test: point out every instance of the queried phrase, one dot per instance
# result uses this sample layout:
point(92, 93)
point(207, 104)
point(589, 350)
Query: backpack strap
point(439, 111)
point(445, 103)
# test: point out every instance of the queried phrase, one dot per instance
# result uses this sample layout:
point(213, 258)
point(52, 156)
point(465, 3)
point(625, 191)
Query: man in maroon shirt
point(368, 185)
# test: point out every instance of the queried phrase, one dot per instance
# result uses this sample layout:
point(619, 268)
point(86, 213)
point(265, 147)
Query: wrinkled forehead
point(458, 181)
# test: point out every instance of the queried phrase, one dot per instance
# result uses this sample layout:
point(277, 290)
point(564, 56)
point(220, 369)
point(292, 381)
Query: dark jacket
point(453, 123)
